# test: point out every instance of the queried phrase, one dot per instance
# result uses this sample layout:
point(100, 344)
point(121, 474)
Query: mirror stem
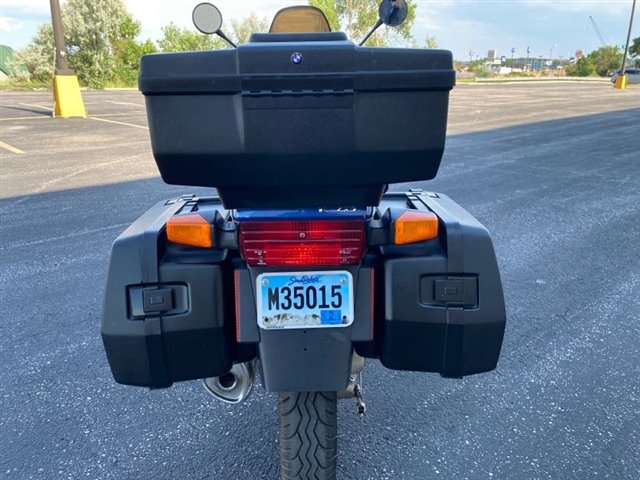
point(226, 39)
point(375, 27)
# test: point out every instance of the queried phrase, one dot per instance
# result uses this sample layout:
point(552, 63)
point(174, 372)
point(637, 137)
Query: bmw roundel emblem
point(296, 58)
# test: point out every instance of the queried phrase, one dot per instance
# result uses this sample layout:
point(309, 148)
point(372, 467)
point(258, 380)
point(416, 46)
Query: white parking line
point(118, 123)
point(85, 231)
point(36, 106)
point(12, 149)
point(7, 119)
point(124, 103)
point(102, 115)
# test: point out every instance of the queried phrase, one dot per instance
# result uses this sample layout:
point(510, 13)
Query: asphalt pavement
point(552, 170)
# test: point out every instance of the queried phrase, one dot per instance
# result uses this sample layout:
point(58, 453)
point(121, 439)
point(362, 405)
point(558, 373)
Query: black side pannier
point(298, 123)
point(163, 321)
point(443, 311)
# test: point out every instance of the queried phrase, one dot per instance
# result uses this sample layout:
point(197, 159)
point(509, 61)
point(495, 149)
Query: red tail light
point(302, 242)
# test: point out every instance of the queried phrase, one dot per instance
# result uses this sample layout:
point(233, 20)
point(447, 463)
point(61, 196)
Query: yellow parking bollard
point(621, 82)
point(67, 97)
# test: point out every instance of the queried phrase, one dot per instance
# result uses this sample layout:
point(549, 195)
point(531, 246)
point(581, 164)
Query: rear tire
point(308, 435)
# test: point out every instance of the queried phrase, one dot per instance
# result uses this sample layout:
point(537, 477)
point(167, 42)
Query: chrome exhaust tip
point(235, 386)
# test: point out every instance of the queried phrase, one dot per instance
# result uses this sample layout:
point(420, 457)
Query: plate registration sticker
point(305, 299)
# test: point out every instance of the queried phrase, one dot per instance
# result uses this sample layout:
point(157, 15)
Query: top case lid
point(314, 66)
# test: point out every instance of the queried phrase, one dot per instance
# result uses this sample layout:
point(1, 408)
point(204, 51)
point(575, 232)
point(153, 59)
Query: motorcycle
point(303, 265)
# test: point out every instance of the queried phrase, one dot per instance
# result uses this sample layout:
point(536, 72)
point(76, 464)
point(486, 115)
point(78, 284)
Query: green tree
point(93, 29)
point(101, 46)
point(430, 42)
point(634, 51)
point(357, 17)
point(178, 39)
point(584, 67)
point(479, 69)
point(242, 30)
point(127, 52)
point(606, 59)
point(38, 56)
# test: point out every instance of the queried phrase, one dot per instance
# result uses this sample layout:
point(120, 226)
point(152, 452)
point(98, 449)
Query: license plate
point(305, 300)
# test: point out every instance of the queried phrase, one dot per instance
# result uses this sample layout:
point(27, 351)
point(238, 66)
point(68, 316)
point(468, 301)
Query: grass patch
point(17, 84)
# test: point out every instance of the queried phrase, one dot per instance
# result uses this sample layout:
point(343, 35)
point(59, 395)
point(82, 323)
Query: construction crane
point(602, 38)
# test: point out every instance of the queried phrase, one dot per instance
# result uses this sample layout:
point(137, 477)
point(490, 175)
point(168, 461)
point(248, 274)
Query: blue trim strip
point(305, 214)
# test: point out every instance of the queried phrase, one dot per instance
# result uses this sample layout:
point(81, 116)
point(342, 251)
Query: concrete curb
point(544, 80)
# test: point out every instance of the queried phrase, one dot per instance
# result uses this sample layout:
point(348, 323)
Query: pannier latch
point(462, 291)
point(451, 291)
point(164, 299)
point(156, 301)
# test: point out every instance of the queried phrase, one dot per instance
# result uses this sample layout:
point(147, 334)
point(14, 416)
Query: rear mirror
point(207, 18)
point(393, 12)
point(390, 13)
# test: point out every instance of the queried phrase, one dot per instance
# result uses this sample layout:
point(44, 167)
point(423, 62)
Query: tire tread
point(308, 435)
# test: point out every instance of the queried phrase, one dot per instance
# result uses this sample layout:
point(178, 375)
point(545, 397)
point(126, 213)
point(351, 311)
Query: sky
point(547, 27)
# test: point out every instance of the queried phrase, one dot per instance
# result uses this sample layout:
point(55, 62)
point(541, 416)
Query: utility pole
point(66, 89)
point(551, 59)
point(621, 81)
point(62, 67)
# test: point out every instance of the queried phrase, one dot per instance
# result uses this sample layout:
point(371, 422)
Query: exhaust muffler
point(235, 386)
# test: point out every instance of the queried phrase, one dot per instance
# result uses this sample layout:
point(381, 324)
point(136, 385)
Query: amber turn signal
point(415, 226)
point(190, 229)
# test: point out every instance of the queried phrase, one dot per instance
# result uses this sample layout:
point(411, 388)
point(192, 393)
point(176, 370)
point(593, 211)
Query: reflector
point(189, 229)
point(302, 242)
point(415, 226)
